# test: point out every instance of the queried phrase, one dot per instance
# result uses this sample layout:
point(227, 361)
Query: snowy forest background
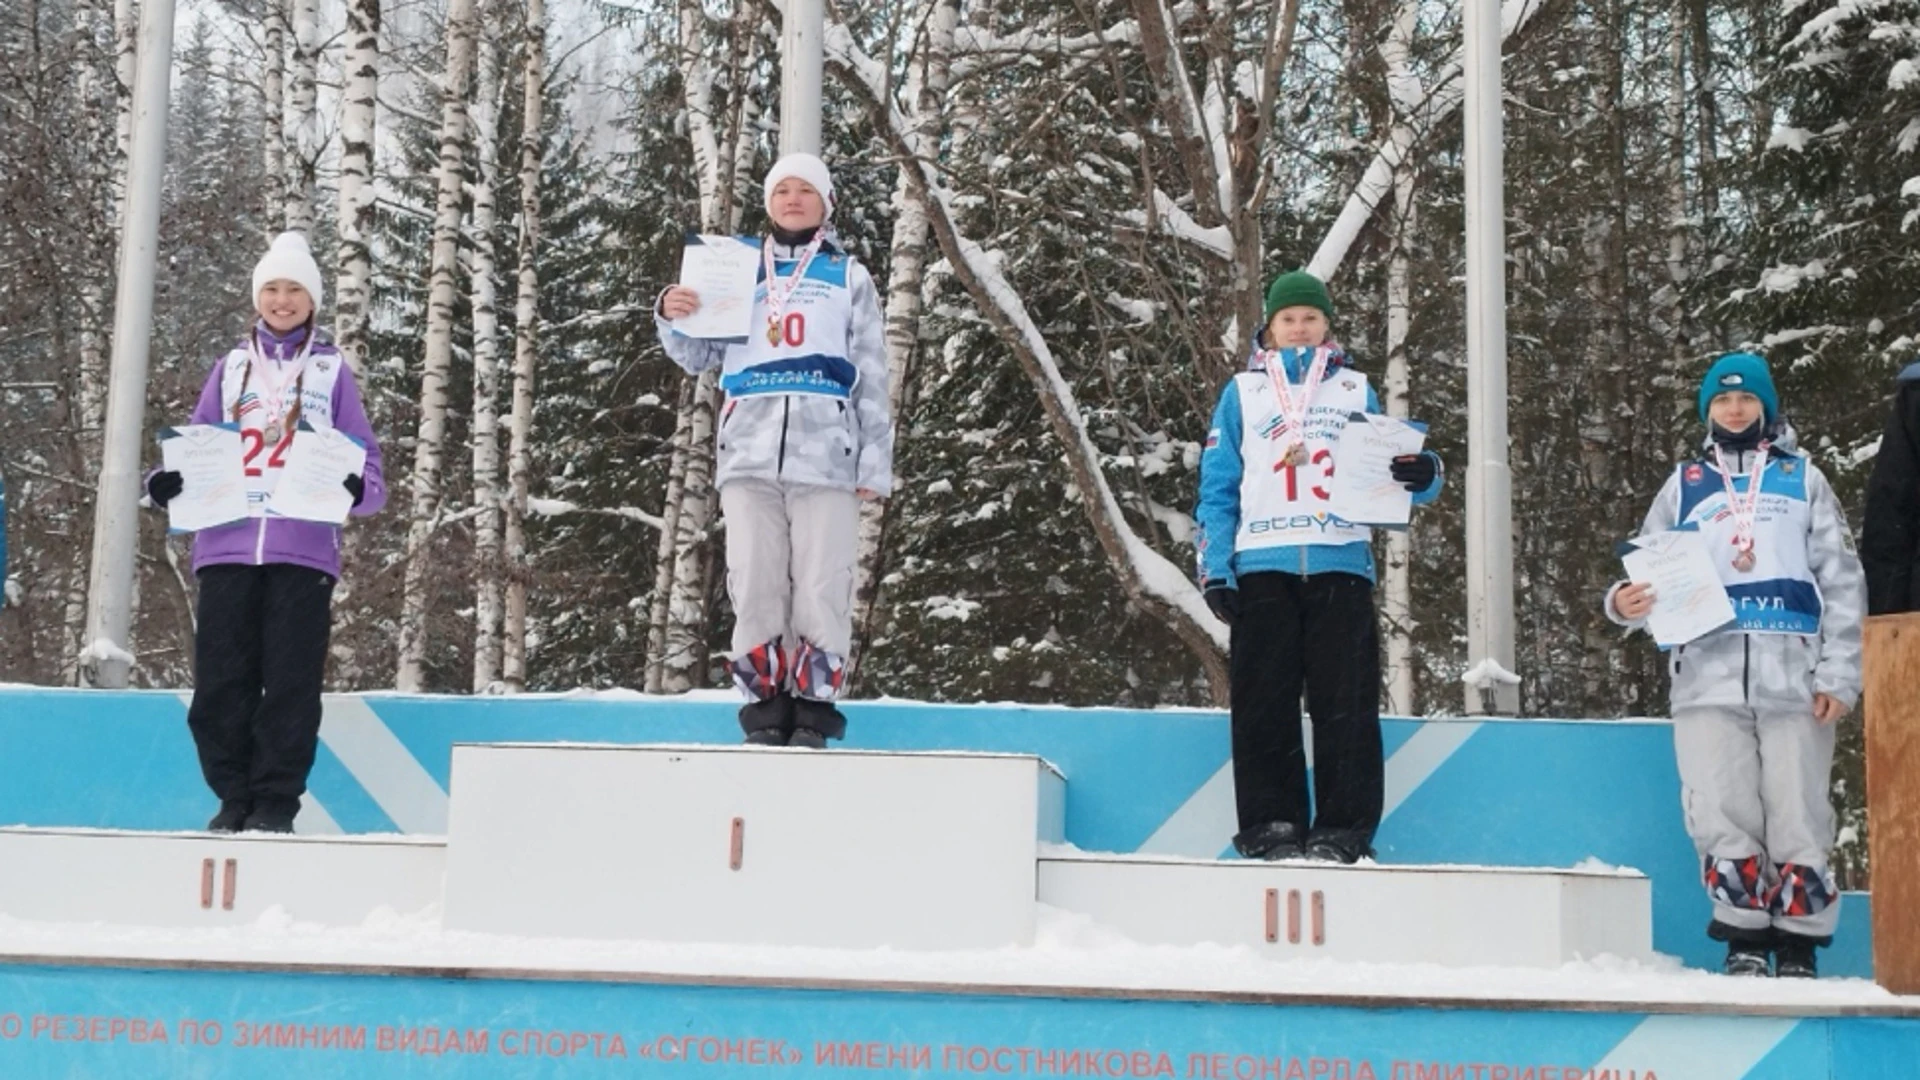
point(1070, 205)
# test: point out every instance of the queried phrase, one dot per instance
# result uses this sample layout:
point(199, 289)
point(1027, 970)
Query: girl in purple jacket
point(266, 583)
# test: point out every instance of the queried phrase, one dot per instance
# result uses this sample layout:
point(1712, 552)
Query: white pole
point(801, 51)
point(116, 525)
point(1489, 480)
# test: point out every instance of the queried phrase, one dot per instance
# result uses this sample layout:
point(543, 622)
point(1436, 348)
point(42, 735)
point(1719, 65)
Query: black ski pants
point(1316, 632)
point(259, 655)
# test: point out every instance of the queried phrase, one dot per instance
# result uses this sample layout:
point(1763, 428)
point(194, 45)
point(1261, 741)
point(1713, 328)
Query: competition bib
point(803, 315)
point(1283, 498)
point(1761, 558)
point(267, 426)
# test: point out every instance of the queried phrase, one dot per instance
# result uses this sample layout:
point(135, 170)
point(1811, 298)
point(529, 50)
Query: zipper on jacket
point(786, 413)
point(1746, 668)
point(260, 544)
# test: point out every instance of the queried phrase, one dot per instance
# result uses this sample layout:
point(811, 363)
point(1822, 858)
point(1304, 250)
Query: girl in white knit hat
point(804, 435)
point(266, 582)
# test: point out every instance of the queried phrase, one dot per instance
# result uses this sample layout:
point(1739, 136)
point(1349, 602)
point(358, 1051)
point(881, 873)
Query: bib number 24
point(253, 442)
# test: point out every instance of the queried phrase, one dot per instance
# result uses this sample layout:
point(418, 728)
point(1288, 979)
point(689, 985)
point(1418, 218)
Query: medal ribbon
point(777, 297)
point(273, 396)
point(1292, 408)
point(1743, 513)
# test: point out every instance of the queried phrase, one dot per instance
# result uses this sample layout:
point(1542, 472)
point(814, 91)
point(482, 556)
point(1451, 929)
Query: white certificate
point(313, 478)
point(212, 474)
point(1688, 598)
point(1364, 490)
point(723, 271)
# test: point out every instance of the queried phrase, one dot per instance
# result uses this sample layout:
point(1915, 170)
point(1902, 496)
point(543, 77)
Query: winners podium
point(621, 906)
point(839, 849)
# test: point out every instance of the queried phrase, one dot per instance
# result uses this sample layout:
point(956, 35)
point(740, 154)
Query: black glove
point(163, 486)
point(1415, 471)
point(356, 487)
point(1224, 599)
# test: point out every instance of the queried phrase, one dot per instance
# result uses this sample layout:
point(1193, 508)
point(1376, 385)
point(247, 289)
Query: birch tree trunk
point(1405, 95)
point(441, 294)
point(99, 223)
point(722, 147)
point(303, 150)
point(927, 83)
point(1396, 608)
point(89, 392)
point(359, 90)
point(273, 114)
point(526, 316)
point(662, 595)
point(489, 565)
point(126, 26)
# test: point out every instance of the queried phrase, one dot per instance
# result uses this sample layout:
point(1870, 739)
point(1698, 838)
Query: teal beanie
point(1740, 371)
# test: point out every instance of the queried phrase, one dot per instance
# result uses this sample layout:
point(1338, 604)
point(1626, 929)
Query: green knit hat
point(1298, 289)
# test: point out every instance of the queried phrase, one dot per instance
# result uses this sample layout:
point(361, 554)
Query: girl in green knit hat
point(1294, 584)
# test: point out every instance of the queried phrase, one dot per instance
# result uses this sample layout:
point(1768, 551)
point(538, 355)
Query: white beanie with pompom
point(289, 259)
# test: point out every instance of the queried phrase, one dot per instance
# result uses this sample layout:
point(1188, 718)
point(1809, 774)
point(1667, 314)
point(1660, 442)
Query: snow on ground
point(1071, 953)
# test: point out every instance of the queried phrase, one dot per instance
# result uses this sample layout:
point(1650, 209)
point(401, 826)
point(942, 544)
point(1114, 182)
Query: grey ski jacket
point(1730, 667)
point(814, 409)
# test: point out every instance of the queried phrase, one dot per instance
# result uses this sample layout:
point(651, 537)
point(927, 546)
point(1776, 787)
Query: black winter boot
point(814, 722)
point(1747, 947)
point(232, 816)
point(1793, 956)
point(1746, 958)
point(1273, 841)
point(1345, 846)
point(272, 816)
point(768, 722)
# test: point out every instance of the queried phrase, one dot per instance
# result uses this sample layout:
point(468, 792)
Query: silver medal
point(273, 433)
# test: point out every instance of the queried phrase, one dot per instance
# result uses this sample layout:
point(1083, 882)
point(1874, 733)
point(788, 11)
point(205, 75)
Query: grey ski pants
point(1754, 783)
point(790, 565)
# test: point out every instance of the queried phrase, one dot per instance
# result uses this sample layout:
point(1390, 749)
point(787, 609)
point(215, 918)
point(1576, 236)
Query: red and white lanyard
point(778, 297)
point(1294, 409)
point(1743, 509)
point(277, 380)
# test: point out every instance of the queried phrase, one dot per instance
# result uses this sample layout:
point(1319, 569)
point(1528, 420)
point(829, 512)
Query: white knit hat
point(800, 167)
point(289, 259)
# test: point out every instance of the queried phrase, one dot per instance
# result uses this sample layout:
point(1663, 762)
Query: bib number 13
point(1323, 458)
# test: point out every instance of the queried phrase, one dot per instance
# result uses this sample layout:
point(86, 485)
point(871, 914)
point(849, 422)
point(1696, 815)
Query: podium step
point(1453, 915)
point(849, 849)
point(204, 880)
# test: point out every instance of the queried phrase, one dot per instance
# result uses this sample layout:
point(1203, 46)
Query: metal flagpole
point(116, 526)
point(801, 50)
point(1489, 480)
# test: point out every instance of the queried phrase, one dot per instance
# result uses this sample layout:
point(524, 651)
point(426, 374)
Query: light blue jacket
point(1218, 515)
